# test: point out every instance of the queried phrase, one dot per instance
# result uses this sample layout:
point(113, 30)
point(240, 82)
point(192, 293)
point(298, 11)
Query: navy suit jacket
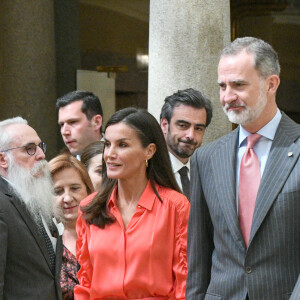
point(25, 271)
point(219, 265)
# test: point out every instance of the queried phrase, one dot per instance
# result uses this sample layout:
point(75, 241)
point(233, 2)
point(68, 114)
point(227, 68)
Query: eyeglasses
point(30, 148)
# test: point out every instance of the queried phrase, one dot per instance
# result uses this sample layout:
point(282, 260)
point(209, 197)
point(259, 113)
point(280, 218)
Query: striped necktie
point(48, 243)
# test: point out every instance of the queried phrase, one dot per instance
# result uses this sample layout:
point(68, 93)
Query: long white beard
point(35, 192)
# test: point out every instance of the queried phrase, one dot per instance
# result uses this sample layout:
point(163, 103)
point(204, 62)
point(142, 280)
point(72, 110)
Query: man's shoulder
point(8, 201)
point(3, 185)
point(218, 144)
point(288, 127)
point(4, 192)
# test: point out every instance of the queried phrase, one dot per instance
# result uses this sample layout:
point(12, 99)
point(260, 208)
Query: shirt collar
point(112, 202)
point(268, 131)
point(177, 164)
point(78, 156)
point(146, 201)
point(6, 180)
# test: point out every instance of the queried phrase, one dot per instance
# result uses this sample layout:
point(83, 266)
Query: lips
point(70, 142)
point(233, 106)
point(112, 165)
point(70, 207)
point(188, 143)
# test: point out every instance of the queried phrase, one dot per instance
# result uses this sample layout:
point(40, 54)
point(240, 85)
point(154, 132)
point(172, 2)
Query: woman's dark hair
point(90, 151)
point(159, 168)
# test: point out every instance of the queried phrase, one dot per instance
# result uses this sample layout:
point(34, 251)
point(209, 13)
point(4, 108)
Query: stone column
point(185, 41)
point(27, 66)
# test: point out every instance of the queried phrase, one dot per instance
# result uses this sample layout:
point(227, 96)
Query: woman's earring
point(146, 163)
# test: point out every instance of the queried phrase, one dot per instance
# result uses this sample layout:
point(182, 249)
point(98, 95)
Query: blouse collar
point(146, 201)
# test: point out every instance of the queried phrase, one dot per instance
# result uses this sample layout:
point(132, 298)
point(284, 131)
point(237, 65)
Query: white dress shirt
point(176, 166)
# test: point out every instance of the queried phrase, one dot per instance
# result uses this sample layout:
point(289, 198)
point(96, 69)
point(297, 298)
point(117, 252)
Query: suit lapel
point(224, 172)
point(279, 166)
point(31, 225)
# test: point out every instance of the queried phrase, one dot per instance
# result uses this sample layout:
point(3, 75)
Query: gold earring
point(146, 163)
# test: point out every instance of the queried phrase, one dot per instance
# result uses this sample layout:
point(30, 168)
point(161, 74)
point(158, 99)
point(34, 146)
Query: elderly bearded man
point(30, 249)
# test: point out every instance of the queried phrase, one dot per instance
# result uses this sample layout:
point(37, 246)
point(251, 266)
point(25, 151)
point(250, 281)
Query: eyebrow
point(119, 140)
point(75, 184)
point(68, 120)
point(239, 81)
point(234, 81)
point(186, 122)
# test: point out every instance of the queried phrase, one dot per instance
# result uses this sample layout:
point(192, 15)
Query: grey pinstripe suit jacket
point(219, 265)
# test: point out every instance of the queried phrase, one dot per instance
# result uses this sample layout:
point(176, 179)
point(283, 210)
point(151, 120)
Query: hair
point(5, 139)
point(90, 151)
point(159, 168)
point(67, 161)
point(91, 104)
point(265, 57)
point(188, 97)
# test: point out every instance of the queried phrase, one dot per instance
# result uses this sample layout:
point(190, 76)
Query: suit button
point(248, 270)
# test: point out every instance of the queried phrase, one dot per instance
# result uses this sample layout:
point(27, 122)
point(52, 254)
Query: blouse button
point(139, 206)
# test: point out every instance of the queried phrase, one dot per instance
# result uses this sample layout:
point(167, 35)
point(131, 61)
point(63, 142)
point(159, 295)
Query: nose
point(190, 133)
point(109, 152)
point(228, 95)
point(67, 197)
point(39, 154)
point(65, 130)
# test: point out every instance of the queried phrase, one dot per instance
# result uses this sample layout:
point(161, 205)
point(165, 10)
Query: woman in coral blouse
point(132, 234)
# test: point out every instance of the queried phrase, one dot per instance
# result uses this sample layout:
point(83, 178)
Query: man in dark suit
point(30, 248)
point(184, 117)
point(244, 227)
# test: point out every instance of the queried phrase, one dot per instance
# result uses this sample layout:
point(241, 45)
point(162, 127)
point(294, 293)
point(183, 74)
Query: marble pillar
point(185, 42)
point(27, 66)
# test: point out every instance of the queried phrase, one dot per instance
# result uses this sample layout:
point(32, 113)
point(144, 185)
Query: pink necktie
point(248, 186)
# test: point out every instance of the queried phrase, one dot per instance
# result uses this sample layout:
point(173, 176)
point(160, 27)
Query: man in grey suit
point(30, 248)
point(246, 245)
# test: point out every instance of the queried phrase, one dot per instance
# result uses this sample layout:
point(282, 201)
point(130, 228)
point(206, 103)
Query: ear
point(96, 122)
point(3, 162)
point(164, 124)
point(150, 150)
point(273, 82)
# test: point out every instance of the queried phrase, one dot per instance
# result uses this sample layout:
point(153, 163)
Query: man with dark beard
point(30, 248)
point(183, 119)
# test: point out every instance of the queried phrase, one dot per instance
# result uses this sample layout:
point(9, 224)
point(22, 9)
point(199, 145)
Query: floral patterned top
point(68, 274)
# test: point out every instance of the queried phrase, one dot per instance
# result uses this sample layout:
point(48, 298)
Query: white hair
point(265, 57)
point(36, 192)
point(6, 139)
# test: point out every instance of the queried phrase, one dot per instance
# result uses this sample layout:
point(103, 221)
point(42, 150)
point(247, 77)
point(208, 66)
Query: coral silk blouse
point(145, 260)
